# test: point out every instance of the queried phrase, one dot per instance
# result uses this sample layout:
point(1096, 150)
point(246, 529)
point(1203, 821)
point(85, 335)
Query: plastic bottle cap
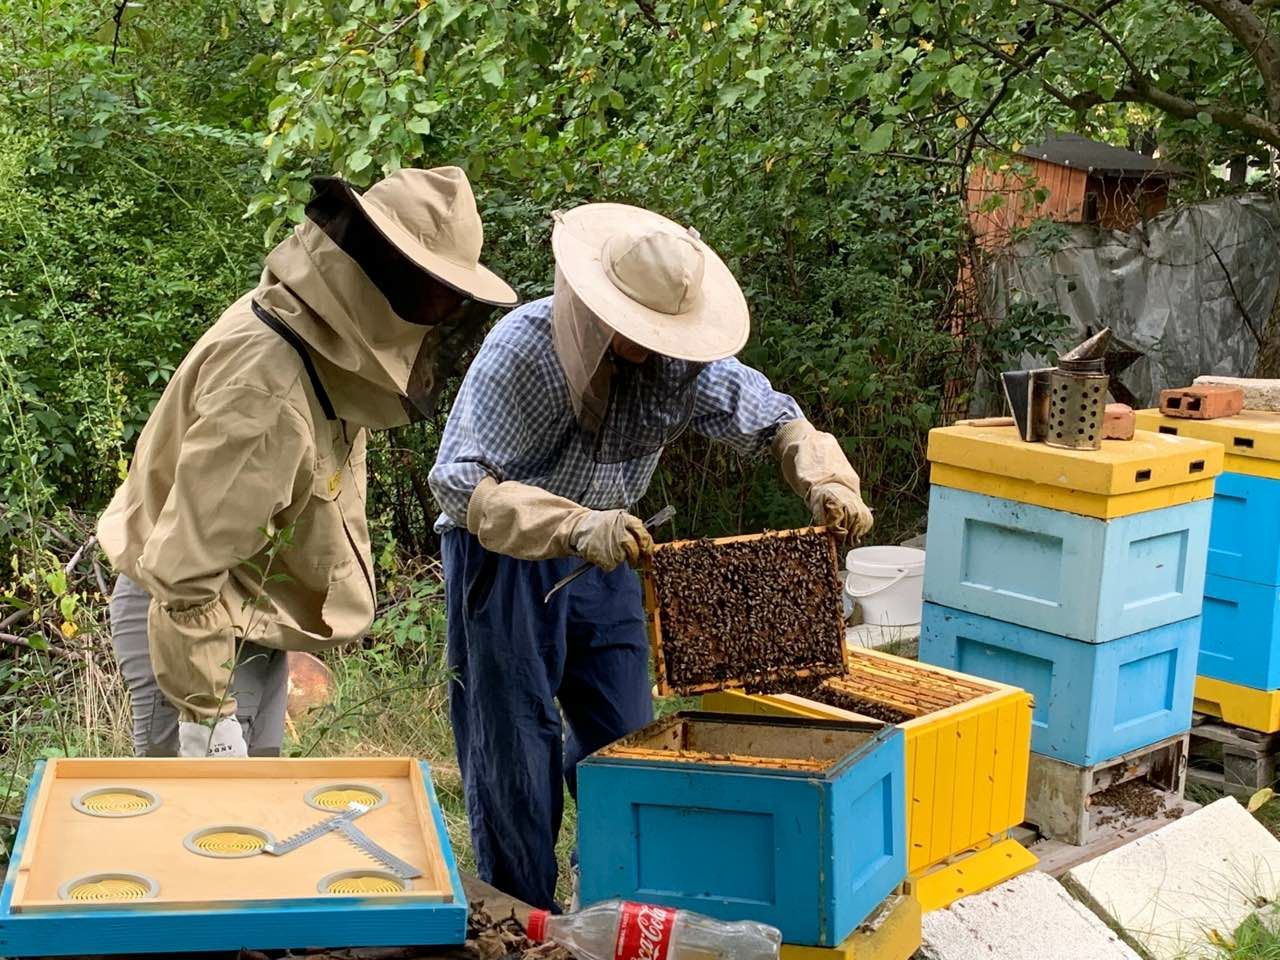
point(536, 928)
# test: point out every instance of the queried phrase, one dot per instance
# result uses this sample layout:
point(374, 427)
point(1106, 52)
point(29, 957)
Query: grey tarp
point(1186, 293)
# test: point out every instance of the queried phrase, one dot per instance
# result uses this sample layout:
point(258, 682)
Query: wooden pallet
point(1063, 799)
point(1234, 760)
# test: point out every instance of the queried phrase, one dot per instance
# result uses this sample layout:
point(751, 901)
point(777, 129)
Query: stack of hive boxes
point(1076, 575)
point(1239, 672)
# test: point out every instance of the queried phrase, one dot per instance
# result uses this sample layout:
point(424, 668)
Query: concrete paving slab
point(1030, 917)
point(1171, 892)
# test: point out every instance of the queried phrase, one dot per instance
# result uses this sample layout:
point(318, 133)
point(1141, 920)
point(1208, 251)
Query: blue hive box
point(1093, 701)
point(792, 822)
point(1244, 541)
point(1241, 641)
point(1063, 573)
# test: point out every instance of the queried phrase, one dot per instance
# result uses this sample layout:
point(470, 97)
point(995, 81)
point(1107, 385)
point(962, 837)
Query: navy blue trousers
point(512, 656)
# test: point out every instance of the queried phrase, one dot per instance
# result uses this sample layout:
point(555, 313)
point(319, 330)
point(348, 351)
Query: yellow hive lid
point(1250, 440)
point(1147, 462)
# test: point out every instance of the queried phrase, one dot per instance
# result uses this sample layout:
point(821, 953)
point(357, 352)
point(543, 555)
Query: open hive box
point(134, 855)
point(747, 612)
point(967, 746)
point(798, 823)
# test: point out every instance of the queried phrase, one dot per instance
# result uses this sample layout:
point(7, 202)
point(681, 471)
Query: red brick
point(1118, 423)
point(1202, 402)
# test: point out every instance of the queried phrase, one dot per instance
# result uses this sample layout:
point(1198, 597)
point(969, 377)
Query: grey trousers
point(260, 683)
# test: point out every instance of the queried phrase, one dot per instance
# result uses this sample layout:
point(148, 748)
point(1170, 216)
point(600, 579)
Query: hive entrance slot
point(115, 802)
point(1246, 442)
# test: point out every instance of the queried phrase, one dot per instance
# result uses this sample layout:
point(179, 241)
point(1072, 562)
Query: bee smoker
point(1063, 406)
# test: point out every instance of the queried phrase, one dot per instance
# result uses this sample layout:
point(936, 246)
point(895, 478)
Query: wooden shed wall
point(1064, 201)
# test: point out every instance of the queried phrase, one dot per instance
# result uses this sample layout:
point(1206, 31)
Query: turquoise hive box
point(1244, 539)
point(1093, 701)
point(792, 822)
point(1063, 573)
point(1241, 641)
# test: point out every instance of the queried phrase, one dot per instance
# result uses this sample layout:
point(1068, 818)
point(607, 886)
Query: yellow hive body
point(1240, 706)
point(967, 750)
point(1150, 471)
point(1250, 440)
point(892, 933)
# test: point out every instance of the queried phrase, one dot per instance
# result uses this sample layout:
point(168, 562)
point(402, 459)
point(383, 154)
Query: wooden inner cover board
point(791, 746)
point(65, 844)
point(745, 612)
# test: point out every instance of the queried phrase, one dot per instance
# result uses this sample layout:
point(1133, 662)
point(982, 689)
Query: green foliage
point(121, 227)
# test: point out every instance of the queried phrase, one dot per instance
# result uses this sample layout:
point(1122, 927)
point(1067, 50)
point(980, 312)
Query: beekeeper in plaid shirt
point(553, 438)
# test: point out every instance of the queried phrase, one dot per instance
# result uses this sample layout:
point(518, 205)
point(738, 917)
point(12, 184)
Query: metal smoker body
point(1063, 406)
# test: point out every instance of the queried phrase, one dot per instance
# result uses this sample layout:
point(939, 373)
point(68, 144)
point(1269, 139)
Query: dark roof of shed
point(1073, 150)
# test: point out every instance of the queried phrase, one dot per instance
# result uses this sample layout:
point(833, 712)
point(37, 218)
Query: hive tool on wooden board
point(653, 523)
point(1030, 393)
point(342, 824)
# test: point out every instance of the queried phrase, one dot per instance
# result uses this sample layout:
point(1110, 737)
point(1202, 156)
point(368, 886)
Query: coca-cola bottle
point(618, 930)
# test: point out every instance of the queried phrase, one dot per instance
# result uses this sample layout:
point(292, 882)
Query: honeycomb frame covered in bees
point(184, 868)
point(746, 612)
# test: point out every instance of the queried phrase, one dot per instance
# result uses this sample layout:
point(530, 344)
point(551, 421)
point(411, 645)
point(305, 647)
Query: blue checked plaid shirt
point(513, 420)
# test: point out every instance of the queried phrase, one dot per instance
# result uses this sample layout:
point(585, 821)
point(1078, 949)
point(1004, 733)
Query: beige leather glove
point(527, 522)
point(816, 468)
point(608, 537)
point(523, 521)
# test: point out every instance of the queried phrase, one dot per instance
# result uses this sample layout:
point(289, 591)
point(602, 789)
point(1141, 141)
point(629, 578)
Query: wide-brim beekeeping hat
point(430, 216)
point(651, 280)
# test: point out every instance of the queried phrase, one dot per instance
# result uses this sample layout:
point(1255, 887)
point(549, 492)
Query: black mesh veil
point(650, 404)
point(455, 322)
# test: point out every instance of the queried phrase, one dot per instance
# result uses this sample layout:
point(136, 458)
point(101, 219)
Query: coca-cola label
point(644, 932)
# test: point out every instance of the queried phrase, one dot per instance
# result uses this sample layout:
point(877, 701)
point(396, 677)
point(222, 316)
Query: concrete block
point(1258, 394)
point(1207, 401)
point(1031, 917)
point(1118, 422)
point(1171, 891)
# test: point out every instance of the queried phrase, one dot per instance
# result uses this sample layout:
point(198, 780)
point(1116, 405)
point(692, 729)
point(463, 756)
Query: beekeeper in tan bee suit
point(240, 532)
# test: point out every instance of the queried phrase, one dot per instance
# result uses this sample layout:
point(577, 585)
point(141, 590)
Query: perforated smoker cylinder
point(1077, 404)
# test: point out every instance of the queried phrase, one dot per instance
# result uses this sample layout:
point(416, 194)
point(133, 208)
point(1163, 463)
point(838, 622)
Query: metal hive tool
point(341, 823)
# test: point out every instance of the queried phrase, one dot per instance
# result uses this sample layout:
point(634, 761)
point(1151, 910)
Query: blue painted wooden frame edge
point(81, 932)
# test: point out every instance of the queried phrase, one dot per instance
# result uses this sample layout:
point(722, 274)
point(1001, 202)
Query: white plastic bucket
point(887, 583)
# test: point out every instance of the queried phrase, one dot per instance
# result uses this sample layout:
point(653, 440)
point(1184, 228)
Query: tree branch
point(1247, 27)
point(51, 649)
point(1101, 27)
point(118, 17)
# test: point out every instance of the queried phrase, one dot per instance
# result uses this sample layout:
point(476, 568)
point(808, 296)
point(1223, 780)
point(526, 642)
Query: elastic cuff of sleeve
point(789, 433)
point(191, 614)
point(479, 503)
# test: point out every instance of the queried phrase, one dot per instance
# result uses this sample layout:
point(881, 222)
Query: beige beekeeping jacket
point(239, 455)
